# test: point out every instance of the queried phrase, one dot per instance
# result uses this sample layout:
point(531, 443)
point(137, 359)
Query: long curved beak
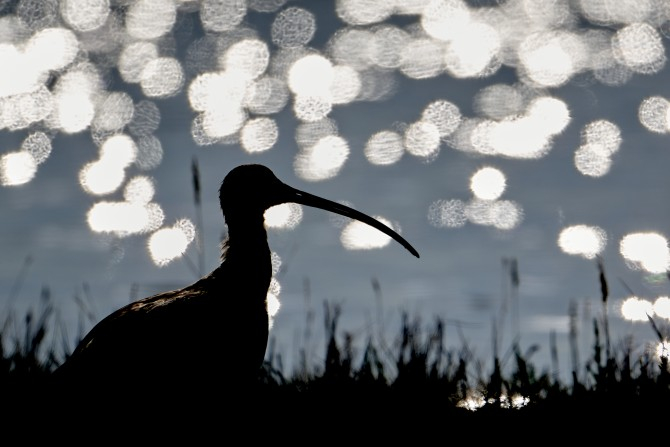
point(304, 198)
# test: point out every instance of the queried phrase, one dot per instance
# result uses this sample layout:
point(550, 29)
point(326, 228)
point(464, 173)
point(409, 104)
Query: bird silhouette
point(184, 335)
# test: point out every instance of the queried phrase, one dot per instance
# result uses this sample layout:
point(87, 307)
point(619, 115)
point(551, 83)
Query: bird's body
point(184, 335)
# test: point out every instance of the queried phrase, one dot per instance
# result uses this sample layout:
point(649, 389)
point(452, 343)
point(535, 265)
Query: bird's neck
point(246, 258)
point(247, 244)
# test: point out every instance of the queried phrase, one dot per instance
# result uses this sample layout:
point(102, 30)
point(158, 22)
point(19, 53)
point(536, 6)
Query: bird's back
point(195, 336)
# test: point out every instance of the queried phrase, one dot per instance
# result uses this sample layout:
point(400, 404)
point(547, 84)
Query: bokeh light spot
point(422, 139)
point(322, 160)
point(170, 243)
point(582, 240)
point(38, 145)
point(647, 250)
point(550, 115)
point(222, 15)
point(546, 60)
point(259, 134)
point(145, 119)
point(311, 75)
point(285, 216)
point(100, 178)
point(139, 189)
point(124, 219)
point(162, 77)
point(445, 115)
point(363, 12)
point(604, 133)
point(346, 84)
point(115, 112)
point(118, 150)
point(266, 96)
point(506, 214)
point(52, 49)
point(498, 101)
point(488, 183)
point(134, 57)
point(149, 152)
point(473, 53)
point(293, 27)
point(150, 19)
point(312, 108)
point(361, 236)
point(636, 309)
point(593, 159)
point(85, 15)
point(447, 214)
point(662, 307)
point(422, 59)
point(17, 168)
point(639, 47)
point(653, 114)
point(384, 148)
point(250, 57)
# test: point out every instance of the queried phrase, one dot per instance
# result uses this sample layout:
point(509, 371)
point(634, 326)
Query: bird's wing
point(130, 329)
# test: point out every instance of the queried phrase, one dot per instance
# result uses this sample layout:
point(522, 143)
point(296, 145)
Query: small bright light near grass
point(637, 309)
point(662, 307)
point(648, 251)
point(582, 240)
point(663, 350)
point(273, 305)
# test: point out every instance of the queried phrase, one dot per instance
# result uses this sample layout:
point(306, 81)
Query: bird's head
point(248, 190)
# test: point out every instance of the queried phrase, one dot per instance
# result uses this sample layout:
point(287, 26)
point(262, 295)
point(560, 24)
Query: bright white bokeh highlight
point(17, 168)
point(647, 250)
point(488, 183)
point(361, 236)
point(637, 309)
point(124, 219)
point(586, 241)
point(654, 113)
point(284, 216)
point(170, 243)
point(662, 307)
point(323, 160)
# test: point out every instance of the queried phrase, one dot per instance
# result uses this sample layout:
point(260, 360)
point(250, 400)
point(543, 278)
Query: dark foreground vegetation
point(418, 379)
point(420, 373)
